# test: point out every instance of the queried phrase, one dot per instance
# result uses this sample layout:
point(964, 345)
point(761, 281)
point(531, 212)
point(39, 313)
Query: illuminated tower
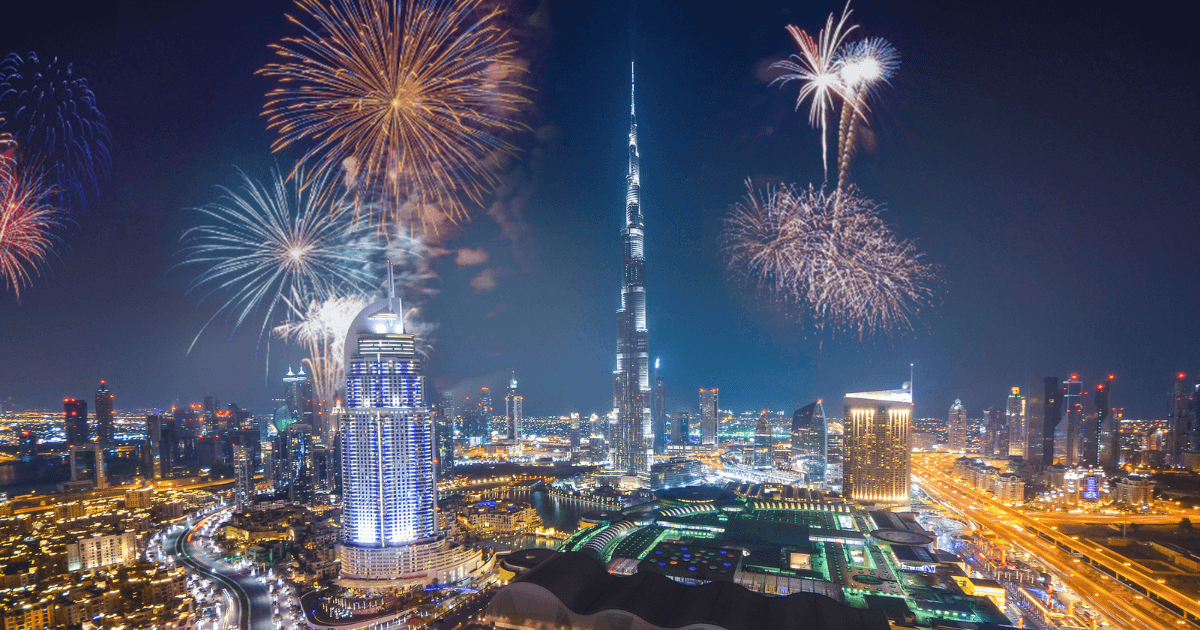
point(387, 447)
point(1017, 435)
point(513, 402)
point(956, 427)
point(1183, 433)
point(762, 442)
point(709, 406)
point(1109, 449)
point(76, 421)
point(878, 464)
point(631, 378)
point(1073, 413)
point(658, 410)
point(810, 444)
point(104, 415)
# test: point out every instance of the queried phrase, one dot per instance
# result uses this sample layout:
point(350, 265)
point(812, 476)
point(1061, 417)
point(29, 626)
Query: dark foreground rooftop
point(575, 590)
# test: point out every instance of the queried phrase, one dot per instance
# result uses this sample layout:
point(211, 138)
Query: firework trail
point(831, 253)
point(403, 96)
point(817, 70)
point(271, 250)
point(28, 221)
point(53, 120)
point(864, 67)
point(322, 328)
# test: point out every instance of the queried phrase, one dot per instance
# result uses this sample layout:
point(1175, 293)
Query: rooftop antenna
point(912, 385)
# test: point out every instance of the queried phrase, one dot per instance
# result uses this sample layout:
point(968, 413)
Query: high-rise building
point(1073, 414)
point(1109, 448)
point(1017, 434)
point(658, 410)
point(762, 442)
point(1035, 421)
point(680, 427)
point(76, 423)
point(104, 415)
point(243, 471)
point(160, 445)
point(513, 403)
point(878, 465)
point(1051, 413)
point(810, 444)
point(298, 395)
point(443, 432)
point(956, 427)
point(709, 408)
point(293, 462)
point(1184, 431)
point(487, 412)
point(995, 437)
point(631, 378)
point(576, 454)
point(389, 496)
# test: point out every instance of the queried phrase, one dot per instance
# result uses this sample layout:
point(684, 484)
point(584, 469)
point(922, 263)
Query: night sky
point(1043, 154)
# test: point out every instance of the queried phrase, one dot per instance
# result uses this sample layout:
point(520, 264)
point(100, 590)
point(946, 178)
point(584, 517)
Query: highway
point(253, 600)
point(1121, 605)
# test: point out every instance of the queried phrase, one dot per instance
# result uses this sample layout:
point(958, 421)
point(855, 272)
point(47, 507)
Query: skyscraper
point(1035, 421)
point(680, 427)
point(1051, 414)
point(762, 442)
point(298, 395)
point(1017, 434)
point(1109, 455)
point(244, 475)
point(1184, 432)
point(389, 523)
point(293, 462)
point(76, 423)
point(709, 405)
point(658, 410)
point(631, 378)
point(878, 464)
point(810, 444)
point(956, 427)
point(104, 415)
point(513, 402)
point(995, 442)
point(443, 433)
point(1072, 412)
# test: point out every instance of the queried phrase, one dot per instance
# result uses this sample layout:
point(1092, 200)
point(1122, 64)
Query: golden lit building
point(878, 464)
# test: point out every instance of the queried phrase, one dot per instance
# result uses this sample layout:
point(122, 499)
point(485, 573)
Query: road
point(253, 600)
point(1119, 604)
point(464, 611)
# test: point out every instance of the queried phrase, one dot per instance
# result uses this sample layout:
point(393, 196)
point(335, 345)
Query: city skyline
point(483, 336)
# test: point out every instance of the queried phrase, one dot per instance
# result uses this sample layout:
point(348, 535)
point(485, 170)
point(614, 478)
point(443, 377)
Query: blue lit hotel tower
point(632, 442)
point(389, 520)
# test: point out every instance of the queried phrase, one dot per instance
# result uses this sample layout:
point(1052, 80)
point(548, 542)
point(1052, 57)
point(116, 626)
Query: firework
point(322, 330)
point(403, 96)
point(271, 250)
point(28, 221)
point(53, 120)
point(817, 69)
point(831, 253)
point(864, 67)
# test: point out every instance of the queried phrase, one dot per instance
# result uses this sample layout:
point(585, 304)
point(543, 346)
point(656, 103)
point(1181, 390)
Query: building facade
point(878, 465)
point(104, 415)
point(956, 428)
point(709, 408)
point(810, 443)
point(513, 409)
point(1017, 433)
point(76, 421)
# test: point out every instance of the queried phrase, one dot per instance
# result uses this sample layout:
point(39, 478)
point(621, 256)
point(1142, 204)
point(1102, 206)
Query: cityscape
point(326, 288)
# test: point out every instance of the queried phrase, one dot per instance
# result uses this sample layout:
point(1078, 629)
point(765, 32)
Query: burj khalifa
point(631, 439)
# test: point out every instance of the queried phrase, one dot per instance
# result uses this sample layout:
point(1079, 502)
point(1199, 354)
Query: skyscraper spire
point(631, 91)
